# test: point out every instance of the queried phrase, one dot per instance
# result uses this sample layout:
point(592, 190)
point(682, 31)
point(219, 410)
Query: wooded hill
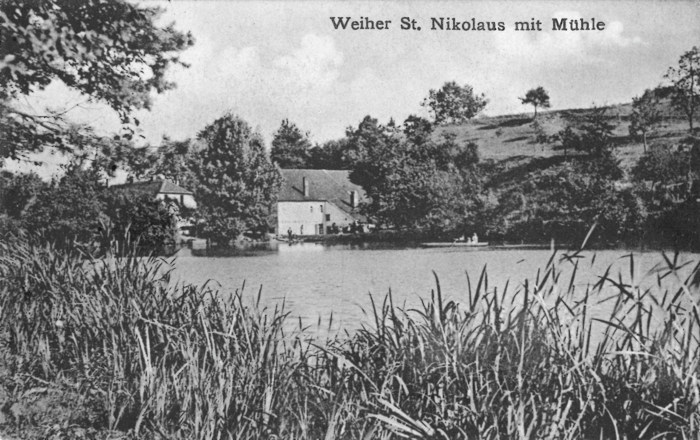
point(535, 189)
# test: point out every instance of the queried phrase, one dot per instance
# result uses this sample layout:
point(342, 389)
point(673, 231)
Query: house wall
point(309, 217)
point(304, 217)
point(338, 216)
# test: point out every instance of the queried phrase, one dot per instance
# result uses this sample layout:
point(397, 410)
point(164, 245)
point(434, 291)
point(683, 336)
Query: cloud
point(613, 36)
point(567, 63)
point(580, 46)
point(314, 65)
point(251, 82)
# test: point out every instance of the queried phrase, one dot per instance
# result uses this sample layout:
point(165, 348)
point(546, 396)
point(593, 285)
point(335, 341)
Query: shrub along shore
point(112, 349)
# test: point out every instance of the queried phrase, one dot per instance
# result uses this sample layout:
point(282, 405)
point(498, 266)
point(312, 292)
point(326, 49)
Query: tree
point(662, 165)
point(686, 84)
point(411, 180)
point(594, 137)
point(68, 212)
point(177, 161)
point(332, 155)
point(564, 201)
point(111, 51)
point(16, 191)
point(453, 104)
point(646, 114)
point(290, 146)
point(238, 183)
point(139, 218)
point(537, 97)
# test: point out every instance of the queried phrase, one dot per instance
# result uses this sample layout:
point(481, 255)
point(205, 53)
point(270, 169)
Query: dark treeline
point(417, 177)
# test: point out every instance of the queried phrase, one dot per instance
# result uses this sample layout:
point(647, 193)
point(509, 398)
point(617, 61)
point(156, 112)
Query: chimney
point(305, 185)
point(353, 199)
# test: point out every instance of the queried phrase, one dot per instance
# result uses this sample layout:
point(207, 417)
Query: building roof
point(155, 187)
point(333, 186)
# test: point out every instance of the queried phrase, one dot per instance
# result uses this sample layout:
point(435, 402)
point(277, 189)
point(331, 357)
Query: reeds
point(175, 360)
point(534, 361)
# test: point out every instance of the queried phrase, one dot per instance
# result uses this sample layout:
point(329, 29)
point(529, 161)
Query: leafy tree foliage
point(332, 155)
point(537, 97)
point(139, 218)
point(290, 146)
point(662, 165)
point(594, 136)
point(111, 51)
point(667, 175)
point(564, 201)
point(453, 104)
point(238, 183)
point(646, 114)
point(177, 161)
point(16, 191)
point(69, 211)
point(686, 84)
point(77, 210)
point(411, 180)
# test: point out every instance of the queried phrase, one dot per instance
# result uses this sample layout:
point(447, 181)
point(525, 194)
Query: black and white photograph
point(337, 220)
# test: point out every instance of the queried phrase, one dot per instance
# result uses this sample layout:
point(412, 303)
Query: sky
point(269, 61)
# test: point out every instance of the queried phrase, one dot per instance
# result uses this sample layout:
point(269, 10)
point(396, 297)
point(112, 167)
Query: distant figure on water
point(475, 238)
point(290, 233)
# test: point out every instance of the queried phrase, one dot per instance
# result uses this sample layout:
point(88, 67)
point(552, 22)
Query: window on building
point(320, 207)
point(328, 217)
point(312, 209)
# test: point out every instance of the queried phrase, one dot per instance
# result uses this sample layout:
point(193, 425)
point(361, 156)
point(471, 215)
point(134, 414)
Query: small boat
point(455, 244)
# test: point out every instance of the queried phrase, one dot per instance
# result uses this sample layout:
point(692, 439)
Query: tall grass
point(172, 359)
point(533, 361)
point(527, 369)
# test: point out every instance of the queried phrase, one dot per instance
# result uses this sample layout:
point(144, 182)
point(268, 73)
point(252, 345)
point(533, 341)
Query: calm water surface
point(316, 281)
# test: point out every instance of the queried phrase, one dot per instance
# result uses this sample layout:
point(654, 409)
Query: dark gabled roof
point(328, 185)
point(154, 187)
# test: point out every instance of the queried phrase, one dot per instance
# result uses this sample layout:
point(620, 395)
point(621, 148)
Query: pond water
point(317, 281)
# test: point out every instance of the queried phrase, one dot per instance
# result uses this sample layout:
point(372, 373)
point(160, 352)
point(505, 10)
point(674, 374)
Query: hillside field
point(509, 140)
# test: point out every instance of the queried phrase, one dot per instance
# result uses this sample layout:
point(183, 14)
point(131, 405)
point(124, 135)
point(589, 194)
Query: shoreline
point(410, 240)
